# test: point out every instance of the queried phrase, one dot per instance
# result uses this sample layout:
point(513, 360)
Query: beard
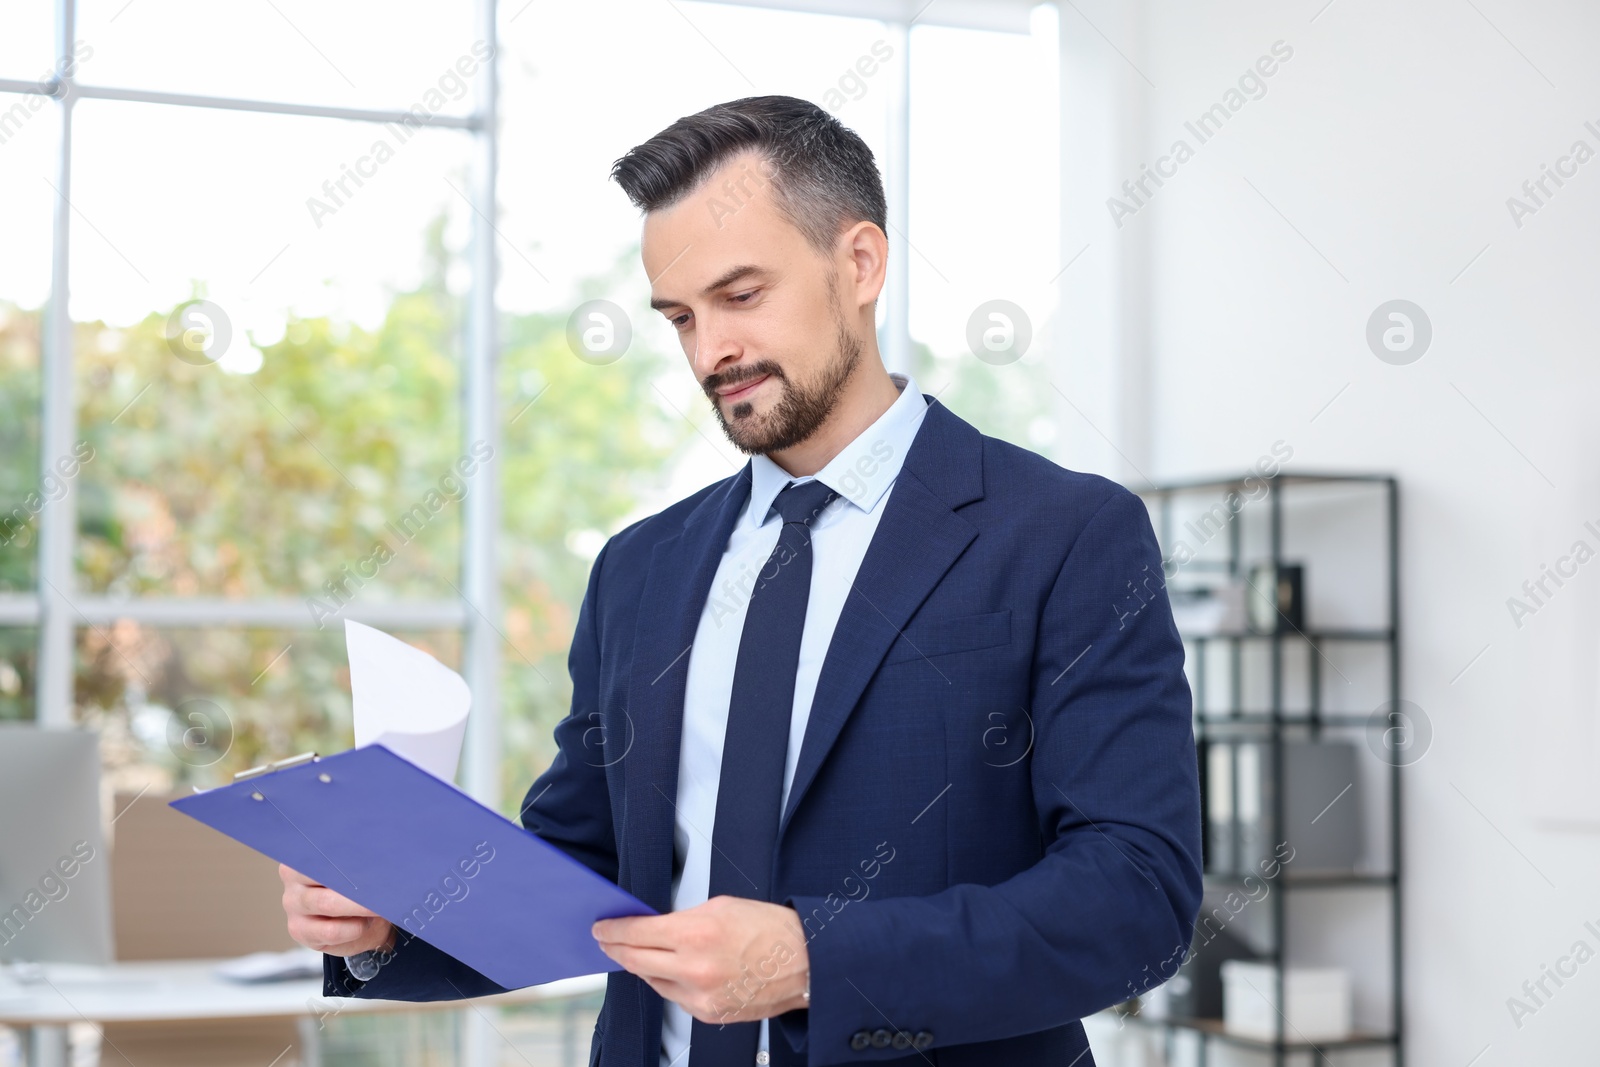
point(800, 409)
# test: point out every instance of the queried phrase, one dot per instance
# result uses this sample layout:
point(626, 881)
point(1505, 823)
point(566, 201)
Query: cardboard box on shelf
point(1317, 1002)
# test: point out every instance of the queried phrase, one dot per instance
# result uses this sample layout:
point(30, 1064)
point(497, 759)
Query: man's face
point(758, 312)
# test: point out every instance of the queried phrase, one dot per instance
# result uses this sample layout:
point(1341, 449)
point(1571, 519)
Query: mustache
point(734, 376)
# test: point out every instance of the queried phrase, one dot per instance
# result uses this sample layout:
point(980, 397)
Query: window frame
point(57, 608)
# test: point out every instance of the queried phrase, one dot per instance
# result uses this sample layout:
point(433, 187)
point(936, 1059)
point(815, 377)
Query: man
point(893, 725)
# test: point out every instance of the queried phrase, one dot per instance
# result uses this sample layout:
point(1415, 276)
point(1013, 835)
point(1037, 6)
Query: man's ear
point(868, 249)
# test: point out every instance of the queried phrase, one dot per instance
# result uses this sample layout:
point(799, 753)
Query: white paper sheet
point(406, 700)
point(271, 966)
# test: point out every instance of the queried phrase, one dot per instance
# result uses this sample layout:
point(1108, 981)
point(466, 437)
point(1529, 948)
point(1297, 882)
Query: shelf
point(1213, 1028)
point(1223, 728)
point(1244, 680)
point(1307, 635)
point(1283, 718)
point(1306, 881)
point(1276, 480)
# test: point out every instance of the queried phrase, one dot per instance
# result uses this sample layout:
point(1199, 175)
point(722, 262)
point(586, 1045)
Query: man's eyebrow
point(728, 277)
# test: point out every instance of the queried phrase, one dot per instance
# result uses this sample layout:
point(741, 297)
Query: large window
point(316, 266)
point(244, 423)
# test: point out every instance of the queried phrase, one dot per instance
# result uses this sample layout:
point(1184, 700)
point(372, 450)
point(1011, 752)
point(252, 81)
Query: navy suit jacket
point(994, 827)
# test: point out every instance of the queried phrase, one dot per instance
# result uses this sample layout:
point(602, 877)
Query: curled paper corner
point(406, 700)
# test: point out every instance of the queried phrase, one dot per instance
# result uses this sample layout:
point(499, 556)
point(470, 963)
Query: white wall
point(1377, 166)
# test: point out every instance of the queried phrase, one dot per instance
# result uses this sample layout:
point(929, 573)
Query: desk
point(188, 991)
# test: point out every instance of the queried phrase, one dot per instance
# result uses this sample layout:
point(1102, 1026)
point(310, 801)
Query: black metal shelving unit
point(1272, 722)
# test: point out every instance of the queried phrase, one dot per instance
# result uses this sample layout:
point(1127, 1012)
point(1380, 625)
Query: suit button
point(902, 1039)
point(860, 1040)
point(881, 1038)
point(923, 1039)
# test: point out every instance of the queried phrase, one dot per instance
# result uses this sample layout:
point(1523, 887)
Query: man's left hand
point(728, 960)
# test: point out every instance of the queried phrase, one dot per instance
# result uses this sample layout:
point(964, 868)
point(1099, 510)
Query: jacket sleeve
point(568, 805)
point(1115, 788)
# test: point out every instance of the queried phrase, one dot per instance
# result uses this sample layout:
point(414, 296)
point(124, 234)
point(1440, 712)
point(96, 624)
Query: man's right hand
point(325, 921)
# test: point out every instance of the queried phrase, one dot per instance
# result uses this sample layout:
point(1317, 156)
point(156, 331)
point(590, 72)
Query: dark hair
point(823, 174)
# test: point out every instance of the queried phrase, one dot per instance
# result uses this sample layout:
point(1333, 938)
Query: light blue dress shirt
point(862, 474)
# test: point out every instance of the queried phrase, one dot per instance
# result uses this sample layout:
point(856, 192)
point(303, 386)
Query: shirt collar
point(863, 471)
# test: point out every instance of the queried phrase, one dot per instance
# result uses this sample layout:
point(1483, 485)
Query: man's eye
point(677, 323)
point(741, 297)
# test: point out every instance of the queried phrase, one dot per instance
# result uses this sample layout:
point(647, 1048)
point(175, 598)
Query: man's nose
point(711, 348)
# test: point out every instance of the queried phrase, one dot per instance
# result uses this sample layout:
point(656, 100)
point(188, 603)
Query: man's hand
point(728, 960)
point(323, 920)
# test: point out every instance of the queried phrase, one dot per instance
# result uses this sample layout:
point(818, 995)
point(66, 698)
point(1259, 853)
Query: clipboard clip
point(277, 765)
point(268, 768)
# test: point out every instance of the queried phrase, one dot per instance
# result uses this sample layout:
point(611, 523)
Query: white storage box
point(1318, 1002)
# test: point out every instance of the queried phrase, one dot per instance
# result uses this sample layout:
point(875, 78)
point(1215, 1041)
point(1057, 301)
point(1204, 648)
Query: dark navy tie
point(750, 791)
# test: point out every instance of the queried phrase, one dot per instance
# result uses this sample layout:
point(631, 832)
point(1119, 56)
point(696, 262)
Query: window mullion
point(57, 523)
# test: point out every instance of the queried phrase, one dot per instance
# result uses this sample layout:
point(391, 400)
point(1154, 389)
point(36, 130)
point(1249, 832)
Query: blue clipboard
point(387, 834)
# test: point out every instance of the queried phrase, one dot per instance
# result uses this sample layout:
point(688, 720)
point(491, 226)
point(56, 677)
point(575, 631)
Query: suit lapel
point(918, 539)
point(681, 570)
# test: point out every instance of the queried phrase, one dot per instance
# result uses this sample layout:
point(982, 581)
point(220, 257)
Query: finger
point(649, 931)
point(344, 948)
point(330, 934)
point(291, 876)
point(365, 938)
point(320, 900)
point(649, 962)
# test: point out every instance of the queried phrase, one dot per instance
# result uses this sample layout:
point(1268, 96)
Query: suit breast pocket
point(927, 638)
